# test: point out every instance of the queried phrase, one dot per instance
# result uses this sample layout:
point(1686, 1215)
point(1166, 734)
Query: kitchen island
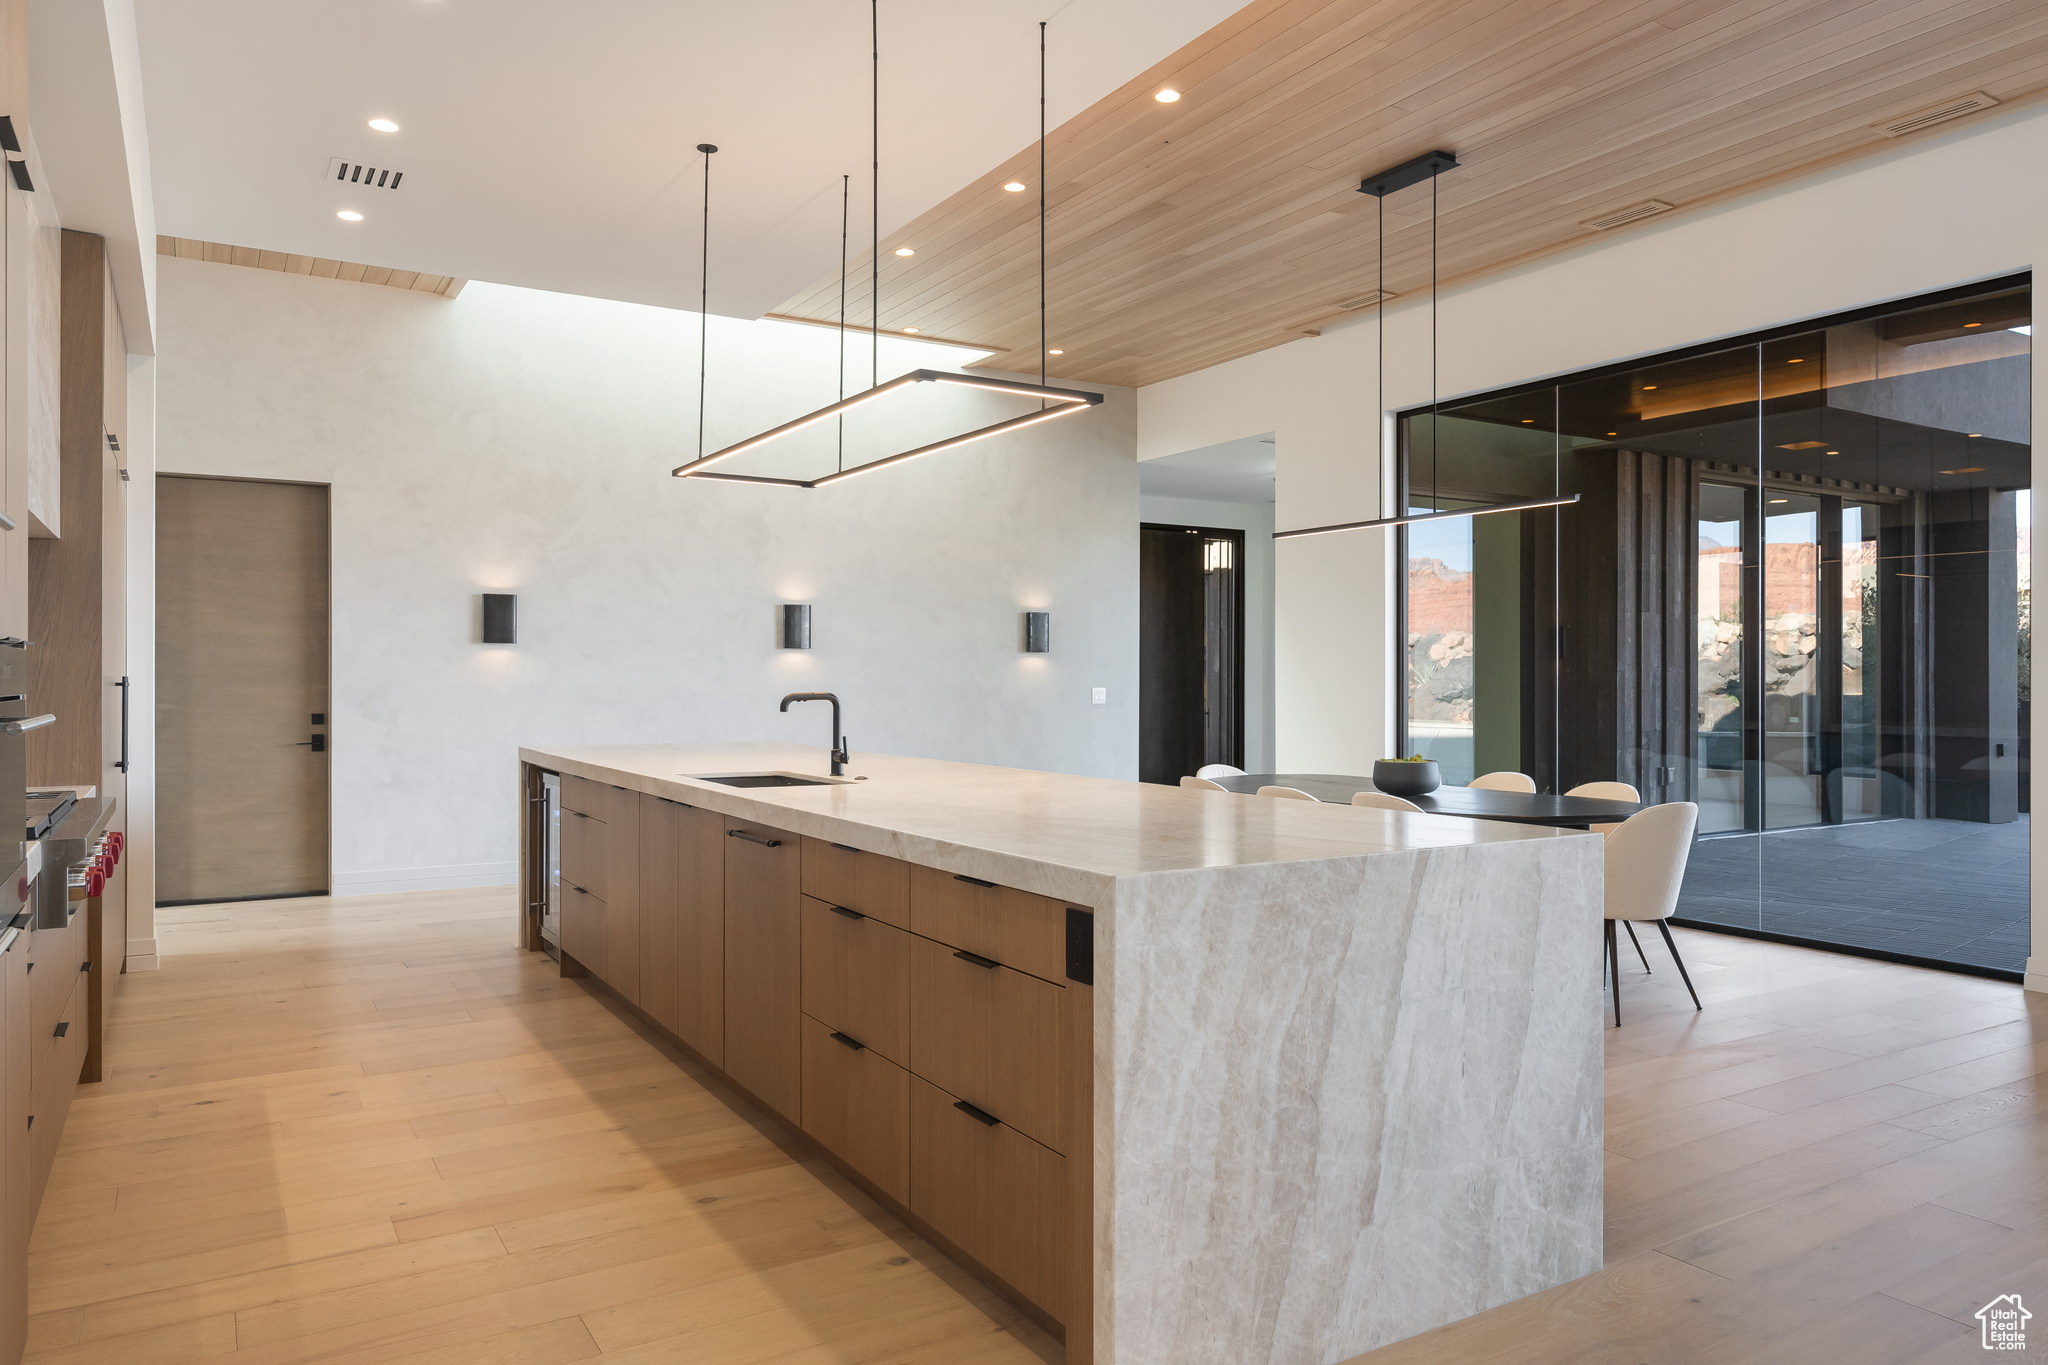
point(1193, 1077)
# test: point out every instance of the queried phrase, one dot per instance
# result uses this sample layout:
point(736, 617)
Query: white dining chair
point(1286, 793)
point(1609, 791)
point(1645, 867)
point(1218, 770)
point(1382, 801)
point(1201, 784)
point(1504, 782)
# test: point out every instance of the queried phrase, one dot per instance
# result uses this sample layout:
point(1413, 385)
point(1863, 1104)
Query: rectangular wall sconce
point(796, 625)
point(1037, 632)
point(501, 618)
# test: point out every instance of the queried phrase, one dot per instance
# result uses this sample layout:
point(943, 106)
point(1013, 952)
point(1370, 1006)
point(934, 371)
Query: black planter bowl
point(1396, 778)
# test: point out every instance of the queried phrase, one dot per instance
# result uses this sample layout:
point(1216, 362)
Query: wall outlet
point(1102, 696)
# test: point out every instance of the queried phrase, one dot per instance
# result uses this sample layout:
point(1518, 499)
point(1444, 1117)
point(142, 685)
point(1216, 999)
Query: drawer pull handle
point(63, 1028)
point(853, 1043)
point(977, 959)
point(846, 848)
point(850, 914)
point(577, 813)
point(978, 1115)
point(753, 838)
point(86, 965)
point(973, 881)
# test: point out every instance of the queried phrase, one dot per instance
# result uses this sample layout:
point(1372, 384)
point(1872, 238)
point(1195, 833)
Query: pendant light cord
point(1434, 495)
point(1041, 210)
point(845, 210)
point(875, 252)
point(704, 296)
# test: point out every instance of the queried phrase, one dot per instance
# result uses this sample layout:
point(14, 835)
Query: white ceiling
point(1233, 471)
point(552, 145)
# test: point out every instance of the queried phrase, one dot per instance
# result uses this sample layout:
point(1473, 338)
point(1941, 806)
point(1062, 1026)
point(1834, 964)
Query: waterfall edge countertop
point(1346, 1063)
point(1052, 833)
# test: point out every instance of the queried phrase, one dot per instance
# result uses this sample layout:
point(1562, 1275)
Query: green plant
point(1412, 758)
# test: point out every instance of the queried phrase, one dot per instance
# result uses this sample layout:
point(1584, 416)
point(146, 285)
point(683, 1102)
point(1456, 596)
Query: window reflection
point(1796, 590)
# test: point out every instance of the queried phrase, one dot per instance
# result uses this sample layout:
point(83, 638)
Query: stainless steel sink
point(768, 780)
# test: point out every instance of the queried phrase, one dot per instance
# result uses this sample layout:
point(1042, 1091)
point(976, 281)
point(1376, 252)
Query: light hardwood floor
point(371, 1131)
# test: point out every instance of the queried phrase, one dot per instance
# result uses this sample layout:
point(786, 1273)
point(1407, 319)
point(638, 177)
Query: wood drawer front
point(584, 929)
point(587, 854)
point(592, 800)
point(991, 1036)
point(58, 1063)
point(876, 886)
point(992, 1192)
point(764, 964)
point(857, 1103)
point(56, 955)
point(857, 978)
point(1014, 927)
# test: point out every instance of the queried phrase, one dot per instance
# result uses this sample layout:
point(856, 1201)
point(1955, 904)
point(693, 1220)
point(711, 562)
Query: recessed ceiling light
point(1796, 360)
point(911, 330)
point(1614, 433)
point(1167, 96)
point(349, 216)
point(1966, 469)
point(1975, 434)
point(383, 125)
point(1973, 324)
point(1527, 420)
point(1775, 501)
point(905, 251)
point(1055, 352)
point(1015, 187)
point(1831, 452)
point(1648, 387)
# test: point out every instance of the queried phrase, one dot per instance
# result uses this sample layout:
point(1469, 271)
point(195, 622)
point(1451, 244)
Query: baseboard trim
point(385, 881)
point(141, 955)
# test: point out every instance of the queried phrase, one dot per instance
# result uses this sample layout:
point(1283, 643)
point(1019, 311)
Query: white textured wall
point(1255, 519)
point(513, 440)
point(1927, 215)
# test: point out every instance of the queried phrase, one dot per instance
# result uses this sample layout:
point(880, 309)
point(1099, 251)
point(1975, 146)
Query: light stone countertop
point(1058, 835)
point(1347, 1061)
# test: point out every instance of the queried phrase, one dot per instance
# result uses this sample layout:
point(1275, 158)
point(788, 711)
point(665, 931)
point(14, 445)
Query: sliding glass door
point(1795, 590)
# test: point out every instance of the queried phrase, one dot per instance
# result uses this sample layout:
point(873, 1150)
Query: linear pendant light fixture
point(1428, 167)
point(1054, 402)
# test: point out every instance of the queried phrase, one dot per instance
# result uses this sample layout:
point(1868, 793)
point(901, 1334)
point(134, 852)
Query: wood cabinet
point(682, 922)
point(17, 1199)
point(857, 1103)
point(857, 977)
point(58, 1059)
point(842, 875)
point(919, 1026)
point(991, 1191)
point(989, 1035)
point(763, 963)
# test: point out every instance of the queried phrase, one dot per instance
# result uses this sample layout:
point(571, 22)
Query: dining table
point(1473, 803)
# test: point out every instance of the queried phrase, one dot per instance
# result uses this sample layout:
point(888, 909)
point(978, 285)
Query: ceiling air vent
point(1648, 208)
point(1939, 113)
point(1367, 300)
point(356, 173)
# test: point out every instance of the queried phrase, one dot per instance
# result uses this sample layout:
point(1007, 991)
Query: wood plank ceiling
point(1182, 235)
point(193, 249)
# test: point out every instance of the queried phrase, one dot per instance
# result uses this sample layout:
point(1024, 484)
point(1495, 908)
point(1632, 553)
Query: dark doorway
point(1191, 650)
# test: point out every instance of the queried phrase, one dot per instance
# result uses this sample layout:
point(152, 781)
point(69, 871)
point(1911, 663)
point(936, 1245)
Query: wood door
point(763, 954)
point(241, 635)
point(1190, 650)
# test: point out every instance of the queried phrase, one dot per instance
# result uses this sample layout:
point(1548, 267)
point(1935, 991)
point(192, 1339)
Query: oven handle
point(22, 727)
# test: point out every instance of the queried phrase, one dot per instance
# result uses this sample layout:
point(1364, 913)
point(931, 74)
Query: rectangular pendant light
point(1069, 400)
point(1427, 516)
